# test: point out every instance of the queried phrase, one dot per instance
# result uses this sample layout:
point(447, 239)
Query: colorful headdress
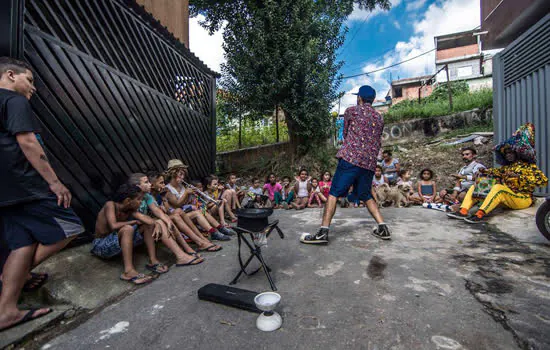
point(522, 142)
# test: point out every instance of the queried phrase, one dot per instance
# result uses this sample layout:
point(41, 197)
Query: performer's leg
point(330, 209)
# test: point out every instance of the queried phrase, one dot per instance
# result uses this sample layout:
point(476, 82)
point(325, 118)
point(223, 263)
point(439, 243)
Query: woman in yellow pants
point(519, 176)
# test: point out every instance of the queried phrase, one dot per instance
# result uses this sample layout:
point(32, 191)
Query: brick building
point(410, 88)
point(461, 52)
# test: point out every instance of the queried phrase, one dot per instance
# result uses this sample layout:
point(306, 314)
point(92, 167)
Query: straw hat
point(175, 164)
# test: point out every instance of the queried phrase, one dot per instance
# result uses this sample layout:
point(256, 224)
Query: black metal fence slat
point(59, 23)
point(70, 115)
point(87, 88)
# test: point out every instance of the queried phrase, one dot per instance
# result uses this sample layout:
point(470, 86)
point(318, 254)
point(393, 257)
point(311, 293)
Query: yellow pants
point(499, 194)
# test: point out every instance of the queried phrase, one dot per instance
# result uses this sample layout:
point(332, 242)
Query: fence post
point(11, 25)
point(449, 88)
point(277, 121)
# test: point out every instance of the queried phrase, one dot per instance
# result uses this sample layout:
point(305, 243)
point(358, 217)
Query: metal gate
point(521, 76)
point(116, 94)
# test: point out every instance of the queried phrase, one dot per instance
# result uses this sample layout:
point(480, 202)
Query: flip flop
point(28, 317)
point(135, 278)
point(156, 268)
point(190, 263)
point(208, 249)
point(37, 280)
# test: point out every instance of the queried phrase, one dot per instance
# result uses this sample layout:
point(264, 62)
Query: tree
point(283, 53)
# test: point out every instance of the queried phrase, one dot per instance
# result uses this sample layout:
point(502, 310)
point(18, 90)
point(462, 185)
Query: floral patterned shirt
point(529, 177)
point(363, 128)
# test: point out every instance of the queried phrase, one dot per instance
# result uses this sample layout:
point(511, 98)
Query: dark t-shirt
point(19, 181)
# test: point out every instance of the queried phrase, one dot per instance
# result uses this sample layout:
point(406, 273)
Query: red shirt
point(363, 128)
point(325, 187)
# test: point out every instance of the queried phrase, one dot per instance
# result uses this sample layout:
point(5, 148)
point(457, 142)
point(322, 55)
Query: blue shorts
point(109, 246)
point(40, 221)
point(348, 175)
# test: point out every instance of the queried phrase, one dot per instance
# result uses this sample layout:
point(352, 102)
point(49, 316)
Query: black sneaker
point(457, 215)
point(227, 231)
point(382, 231)
point(474, 219)
point(218, 236)
point(321, 237)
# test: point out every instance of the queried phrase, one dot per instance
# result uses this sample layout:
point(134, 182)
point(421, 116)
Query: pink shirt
point(363, 128)
point(271, 189)
point(325, 187)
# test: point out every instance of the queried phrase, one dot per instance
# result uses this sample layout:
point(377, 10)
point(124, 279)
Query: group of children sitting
point(164, 207)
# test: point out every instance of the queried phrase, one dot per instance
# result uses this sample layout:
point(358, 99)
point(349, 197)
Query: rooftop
point(411, 80)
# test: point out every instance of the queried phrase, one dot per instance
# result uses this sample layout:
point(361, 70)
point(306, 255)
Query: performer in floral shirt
point(518, 177)
point(363, 128)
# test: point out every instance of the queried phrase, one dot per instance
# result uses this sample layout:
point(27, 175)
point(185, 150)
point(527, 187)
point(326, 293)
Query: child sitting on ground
point(273, 190)
point(179, 199)
point(314, 199)
point(159, 190)
point(221, 209)
point(426, 187)
point(324, 186)
point(287, 193)
point(255, 196)
point(302, 188)
point(238, 193)
point(379, 178)
point(405, 179)
point(116, 232)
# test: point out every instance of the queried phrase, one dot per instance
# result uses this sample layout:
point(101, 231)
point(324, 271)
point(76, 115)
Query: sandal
point(135, 279)
point(217, 248)
point(191, 263)
point(28, 317)
point(156, 268)
point(37, 280)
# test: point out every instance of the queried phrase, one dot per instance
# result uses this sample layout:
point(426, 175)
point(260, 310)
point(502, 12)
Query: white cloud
point(360, 15)
point(206, 47)
point(415, 5)
point(440, 18)
point(396, 24)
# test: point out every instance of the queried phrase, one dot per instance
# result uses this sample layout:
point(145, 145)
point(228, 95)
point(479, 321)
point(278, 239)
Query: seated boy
point(116, 233)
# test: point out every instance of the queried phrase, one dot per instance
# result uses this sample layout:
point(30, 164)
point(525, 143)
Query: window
point(464, 71)
point(398, 92)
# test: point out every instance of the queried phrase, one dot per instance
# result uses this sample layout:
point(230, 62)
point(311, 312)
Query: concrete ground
point(439, 284)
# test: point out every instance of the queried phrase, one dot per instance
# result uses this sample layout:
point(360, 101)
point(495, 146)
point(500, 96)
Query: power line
point(355, 34)
point(388, 67)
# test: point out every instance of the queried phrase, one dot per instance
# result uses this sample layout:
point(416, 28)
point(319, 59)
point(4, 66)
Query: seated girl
point(314, 199)
point(427, 189)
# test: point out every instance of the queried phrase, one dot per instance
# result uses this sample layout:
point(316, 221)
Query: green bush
point(438, 104)
point(253, 134)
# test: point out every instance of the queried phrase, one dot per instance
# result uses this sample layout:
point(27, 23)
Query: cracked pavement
point(438, 284)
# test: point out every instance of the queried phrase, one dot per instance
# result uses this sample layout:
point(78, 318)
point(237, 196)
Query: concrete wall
point(410, 92)
point(235, 161)
point(429, 127)
point(473, 66)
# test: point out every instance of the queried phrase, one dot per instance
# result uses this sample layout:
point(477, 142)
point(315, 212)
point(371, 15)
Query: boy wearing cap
point(363, 128)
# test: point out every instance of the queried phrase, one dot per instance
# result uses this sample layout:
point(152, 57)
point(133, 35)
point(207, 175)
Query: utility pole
point(449, 88)
point(277, 121)
point(240, 130)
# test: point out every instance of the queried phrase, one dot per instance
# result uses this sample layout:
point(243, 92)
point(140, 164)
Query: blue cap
point(367, 93)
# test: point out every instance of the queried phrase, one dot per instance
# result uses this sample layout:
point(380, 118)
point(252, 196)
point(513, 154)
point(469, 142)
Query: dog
point(395, 195)
point(382, 192)
point(398, 195)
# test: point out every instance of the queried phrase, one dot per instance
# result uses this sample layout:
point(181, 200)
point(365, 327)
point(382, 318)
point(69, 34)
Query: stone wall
point(429, 127)
point(235, 161)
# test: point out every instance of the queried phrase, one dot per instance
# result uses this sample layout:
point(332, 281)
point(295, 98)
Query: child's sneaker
point(218, 236)
point(321, 237)
point(382, 231)
point(227, 231)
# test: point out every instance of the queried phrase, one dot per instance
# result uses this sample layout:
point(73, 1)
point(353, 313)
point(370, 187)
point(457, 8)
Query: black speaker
point(230, 296)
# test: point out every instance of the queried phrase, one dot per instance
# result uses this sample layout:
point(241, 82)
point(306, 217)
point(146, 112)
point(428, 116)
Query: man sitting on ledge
point(518, 177)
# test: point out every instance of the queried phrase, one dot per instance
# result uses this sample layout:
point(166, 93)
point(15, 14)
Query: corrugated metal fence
point(522, 90)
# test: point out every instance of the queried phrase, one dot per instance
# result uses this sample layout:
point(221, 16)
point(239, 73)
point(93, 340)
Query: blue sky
point(376, 40)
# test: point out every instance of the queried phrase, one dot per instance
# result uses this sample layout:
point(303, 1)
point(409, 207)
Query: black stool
point(253, 222)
